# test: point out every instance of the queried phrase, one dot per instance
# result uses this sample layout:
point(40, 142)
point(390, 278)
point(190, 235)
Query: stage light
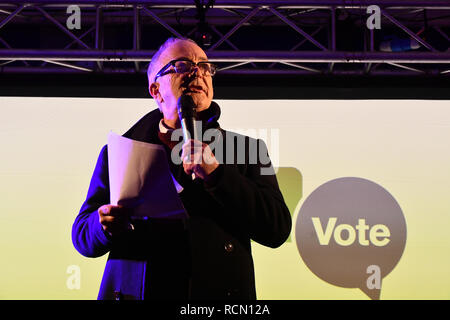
point(398, 45)
point(203, 35)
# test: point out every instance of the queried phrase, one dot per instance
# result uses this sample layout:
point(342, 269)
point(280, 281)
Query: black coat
point(208, 255)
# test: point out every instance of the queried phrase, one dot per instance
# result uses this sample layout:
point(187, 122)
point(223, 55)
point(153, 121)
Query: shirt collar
point(163, 128)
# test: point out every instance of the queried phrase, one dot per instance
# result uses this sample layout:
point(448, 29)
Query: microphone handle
point(190, 131)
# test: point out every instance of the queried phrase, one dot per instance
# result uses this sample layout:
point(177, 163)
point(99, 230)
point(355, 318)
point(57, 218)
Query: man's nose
point(194, 70)
point(189, 77)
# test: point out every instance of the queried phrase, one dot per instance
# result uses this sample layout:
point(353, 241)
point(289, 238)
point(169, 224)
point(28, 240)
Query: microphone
point(186, 110)
point(188, 118)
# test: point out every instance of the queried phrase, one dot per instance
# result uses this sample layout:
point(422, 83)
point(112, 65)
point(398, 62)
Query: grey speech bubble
point(351, 232)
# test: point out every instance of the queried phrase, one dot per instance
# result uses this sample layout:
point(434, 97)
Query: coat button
point(229, 247)
point(232, 293)
point(117, 295)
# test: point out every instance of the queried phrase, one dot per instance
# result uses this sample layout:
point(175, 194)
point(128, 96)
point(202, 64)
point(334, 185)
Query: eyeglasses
point(187, 66)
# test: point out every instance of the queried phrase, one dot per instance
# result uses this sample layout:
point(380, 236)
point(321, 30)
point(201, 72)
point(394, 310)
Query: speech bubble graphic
point(351, 232)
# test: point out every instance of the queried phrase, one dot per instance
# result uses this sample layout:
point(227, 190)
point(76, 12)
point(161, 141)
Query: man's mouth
point(194, 89)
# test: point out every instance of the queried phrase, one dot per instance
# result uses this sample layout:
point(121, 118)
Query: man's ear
point(154, 91)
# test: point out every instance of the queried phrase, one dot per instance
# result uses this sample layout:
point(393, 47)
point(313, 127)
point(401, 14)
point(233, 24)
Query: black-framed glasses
point(187, 66)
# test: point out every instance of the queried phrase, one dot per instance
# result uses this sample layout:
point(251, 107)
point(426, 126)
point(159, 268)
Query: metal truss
point(243, 37)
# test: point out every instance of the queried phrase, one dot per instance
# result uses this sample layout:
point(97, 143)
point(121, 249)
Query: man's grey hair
point(151, 70)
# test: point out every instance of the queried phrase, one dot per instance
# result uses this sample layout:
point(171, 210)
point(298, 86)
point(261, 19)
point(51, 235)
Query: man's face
point(169, 87)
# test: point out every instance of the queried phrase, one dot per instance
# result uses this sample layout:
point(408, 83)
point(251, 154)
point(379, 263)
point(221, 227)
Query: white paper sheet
point(139, 177)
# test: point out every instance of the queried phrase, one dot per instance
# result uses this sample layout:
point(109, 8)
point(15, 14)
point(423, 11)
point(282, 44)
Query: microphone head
point(186, 107)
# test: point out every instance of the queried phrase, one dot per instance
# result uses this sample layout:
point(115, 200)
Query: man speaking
point(229, 203)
